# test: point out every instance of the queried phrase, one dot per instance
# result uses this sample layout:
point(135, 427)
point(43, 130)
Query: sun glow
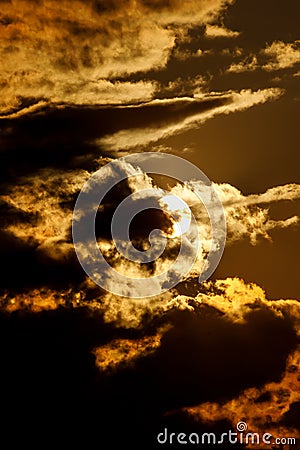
point(180, 212)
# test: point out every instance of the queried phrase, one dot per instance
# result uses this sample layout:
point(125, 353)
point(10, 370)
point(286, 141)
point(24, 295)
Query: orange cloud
point(122, 353)
point(263, 408)
point(67, 52)
point(282, 55)
point(215, 31)
point(230, 102)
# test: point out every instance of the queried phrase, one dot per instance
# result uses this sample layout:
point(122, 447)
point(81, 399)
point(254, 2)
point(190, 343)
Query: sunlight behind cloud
point(180, 212)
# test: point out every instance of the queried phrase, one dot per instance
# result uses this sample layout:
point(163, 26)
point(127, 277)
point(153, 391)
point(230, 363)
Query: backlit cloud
point(82, 83)
point(47, 199)
point(246, 65)
point(225, 312)
point(68, 52)
point(275, 398)
point(276, 56)
point(227, 102)
point(215, 31)
point(282, 55)
point(122, 353)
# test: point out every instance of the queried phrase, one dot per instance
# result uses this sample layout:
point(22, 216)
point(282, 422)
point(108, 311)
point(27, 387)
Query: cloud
point(216, 31)
point(187, 87)
point(173, 361)
point(90, 131)
point(39, 105)
point(66, 53)
point(121, 353)
point(38, 300)
point(236, 300)
point(184, 54)
point(96, 93)
point(224, 318)
point(76, 82)
point(44, 197)
point(246, 65)
point(275, 56)
point(282, 55)
point(232, 297)
point(275, 398)
point(46, 202)
point(248, 216)
point(227, 102)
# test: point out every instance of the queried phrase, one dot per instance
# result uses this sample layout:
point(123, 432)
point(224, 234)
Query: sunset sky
point(84, 83)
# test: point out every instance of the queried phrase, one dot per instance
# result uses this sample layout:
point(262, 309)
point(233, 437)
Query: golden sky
point(84, 83)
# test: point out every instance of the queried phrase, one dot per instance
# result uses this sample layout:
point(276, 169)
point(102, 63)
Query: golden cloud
point(246, 65)
point(273, 399)
point(232, 102)
point(282, 55)
point(43, 198)
point(121, 353)
point(215, 31)
point(67, 52)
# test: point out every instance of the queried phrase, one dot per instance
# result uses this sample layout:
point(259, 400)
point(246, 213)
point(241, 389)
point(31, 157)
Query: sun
point(180, 212)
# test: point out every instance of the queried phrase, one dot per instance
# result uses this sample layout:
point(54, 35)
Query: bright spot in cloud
point(180, 212)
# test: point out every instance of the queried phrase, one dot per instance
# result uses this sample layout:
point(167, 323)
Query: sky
point(83, 84)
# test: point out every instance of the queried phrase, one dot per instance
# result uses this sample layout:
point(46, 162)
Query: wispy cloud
point(216, 31)
point(228, 102)
point(47, 199)
point(60, 53)
point(276, 56)
point(282, 55)
point(246, 65)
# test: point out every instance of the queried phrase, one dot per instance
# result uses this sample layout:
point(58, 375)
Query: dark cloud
point(80, 81)
point(26, 266)
point(292, 416)
point(47, 362)
point(211, 369)
point(56, 136)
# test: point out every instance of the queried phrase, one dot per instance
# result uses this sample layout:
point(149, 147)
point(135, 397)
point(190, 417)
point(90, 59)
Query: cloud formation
point(248, 64)
point(282, 55)
point(237, 300)
point(46, 201)
point(215, 31)
point(223, 318)
point(174, 356)
point(276, 398)
point(226, 103)
point(278, 55)
point(121, 353)
point(248, 216)
point(81, 82)
point(68, 52)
